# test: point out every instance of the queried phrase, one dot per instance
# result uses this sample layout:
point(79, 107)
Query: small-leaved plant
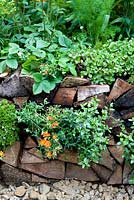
point(127, 141)
point(9, 131)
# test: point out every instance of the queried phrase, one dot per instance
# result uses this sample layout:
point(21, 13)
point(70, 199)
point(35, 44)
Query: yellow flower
point(1, 154)
point(54, 137)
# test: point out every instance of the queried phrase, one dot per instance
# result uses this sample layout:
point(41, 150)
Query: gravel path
point(66, 190)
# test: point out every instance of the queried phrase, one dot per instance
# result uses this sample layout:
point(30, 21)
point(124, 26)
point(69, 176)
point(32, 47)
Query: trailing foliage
point(60, 129)
point(8, 124)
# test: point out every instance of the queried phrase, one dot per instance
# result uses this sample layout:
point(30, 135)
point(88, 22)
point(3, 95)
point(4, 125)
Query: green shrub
point(8, 124)
point(59, 129)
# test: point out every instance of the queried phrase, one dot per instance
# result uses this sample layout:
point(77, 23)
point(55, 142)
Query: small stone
point(44, 189)
point(119, 197)
point(33, 195)
point(51, 196)
point(94, 186)
point(106, 196)
point(20, 191)
point(26, 185)
point(130, 189)
point(92, 192)
point(100, 188)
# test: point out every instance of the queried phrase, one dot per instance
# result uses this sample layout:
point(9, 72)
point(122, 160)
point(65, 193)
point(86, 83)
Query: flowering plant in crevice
point(58, 129)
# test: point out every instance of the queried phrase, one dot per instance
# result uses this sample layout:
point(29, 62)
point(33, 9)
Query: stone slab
point(71, 81)
point(30, 143)
point(76, 172)
point(12, 175)
point(29, 158)
point(116, 177)
point(120, 87)
point(65, 96)
point(102, 172)
point(39, 179)
point(126, 100)
point(117, 152)
point(11, 154)
point(52, 169)
point(106, 160)
point(91, 90)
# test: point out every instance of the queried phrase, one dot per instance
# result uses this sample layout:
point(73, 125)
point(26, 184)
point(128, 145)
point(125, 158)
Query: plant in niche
point(9, 131)
point(58, 129)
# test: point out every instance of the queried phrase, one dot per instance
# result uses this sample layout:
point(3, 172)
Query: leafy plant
point(9, 130)
point(94, 15)
point(104, 64)
point(123, 16)
point(58, 129)
point(127, 141)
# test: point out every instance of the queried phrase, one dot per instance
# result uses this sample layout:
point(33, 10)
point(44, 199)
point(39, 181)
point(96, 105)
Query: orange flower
point(49, 154)
point(54, 137)
point(42, 142)
point(55, 124)
point(46, 134)
point(1, 154)
point(45, 143)
point(50, 117)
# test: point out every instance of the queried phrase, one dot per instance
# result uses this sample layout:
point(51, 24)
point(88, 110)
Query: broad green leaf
point(64, 41)
point(2, 66)
point(47, 87)
point(39, 53)
point(12, 63)
point(72, 69)
point(13, 48)
point(52, 48)
point(37, 88)
point(51, 58)
point(41, 44)
point(37, 77)
point(63, 62)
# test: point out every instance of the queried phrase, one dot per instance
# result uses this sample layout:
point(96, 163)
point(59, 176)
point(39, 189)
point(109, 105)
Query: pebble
point(44, 189)
point(20, 191)
point(66, 190)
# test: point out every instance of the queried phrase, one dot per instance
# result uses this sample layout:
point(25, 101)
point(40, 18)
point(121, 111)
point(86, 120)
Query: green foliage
point(8, 124)
point(60, 129)
point(84, 130)
point(127, 141)
point(106, 63)
point(123, 16)
point(94, 15)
